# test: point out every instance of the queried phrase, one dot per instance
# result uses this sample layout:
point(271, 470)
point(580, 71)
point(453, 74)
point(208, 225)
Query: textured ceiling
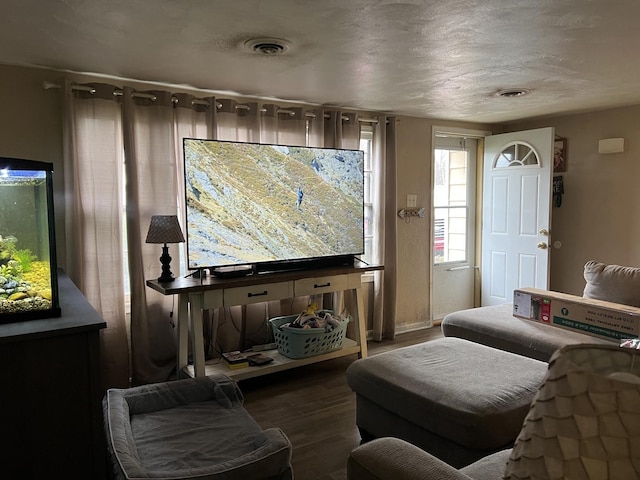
point(432, 58)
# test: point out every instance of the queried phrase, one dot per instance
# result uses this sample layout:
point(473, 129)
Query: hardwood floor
point(315, 408)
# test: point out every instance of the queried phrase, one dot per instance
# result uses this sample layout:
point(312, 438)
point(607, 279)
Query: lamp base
point(165, 260)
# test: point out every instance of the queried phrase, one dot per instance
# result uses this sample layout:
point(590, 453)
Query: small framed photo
point(560, 155)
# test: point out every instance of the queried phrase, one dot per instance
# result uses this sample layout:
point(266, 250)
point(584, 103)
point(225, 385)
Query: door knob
point(544, 231)
point(543, 245)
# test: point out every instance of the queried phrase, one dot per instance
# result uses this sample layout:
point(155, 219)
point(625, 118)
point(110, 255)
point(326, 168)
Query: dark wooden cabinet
point(50, 405)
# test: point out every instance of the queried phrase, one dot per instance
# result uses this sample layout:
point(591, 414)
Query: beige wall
point(414, 157)
point(413, 176)
point(31, 128)
point(599, 218)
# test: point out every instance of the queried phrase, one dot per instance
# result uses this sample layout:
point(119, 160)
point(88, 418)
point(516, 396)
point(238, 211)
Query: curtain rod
point(117, 92)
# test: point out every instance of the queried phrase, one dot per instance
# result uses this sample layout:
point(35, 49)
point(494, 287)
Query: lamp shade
point(584, 422)
point(164, 229)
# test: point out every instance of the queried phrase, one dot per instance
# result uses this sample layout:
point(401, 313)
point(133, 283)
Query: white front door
point(516, 213)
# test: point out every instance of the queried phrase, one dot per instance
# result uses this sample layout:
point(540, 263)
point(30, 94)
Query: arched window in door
point(516, 154)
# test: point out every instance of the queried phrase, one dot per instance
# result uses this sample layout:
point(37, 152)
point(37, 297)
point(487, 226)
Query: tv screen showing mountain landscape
point(251, 203)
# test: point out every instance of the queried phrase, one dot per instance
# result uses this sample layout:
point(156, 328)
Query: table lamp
point(584, 422)
point(165, 229)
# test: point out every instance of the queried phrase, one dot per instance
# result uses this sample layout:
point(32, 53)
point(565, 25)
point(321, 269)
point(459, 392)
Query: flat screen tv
point(272, 207)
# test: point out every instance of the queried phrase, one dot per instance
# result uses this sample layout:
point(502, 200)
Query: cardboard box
point(611, 321)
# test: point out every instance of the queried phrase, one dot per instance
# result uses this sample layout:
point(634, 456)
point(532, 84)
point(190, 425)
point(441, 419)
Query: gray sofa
point(495, 327)
point(582, 424)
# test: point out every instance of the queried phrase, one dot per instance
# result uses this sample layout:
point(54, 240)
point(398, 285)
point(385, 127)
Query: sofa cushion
point(612, 283)
point(394, 459)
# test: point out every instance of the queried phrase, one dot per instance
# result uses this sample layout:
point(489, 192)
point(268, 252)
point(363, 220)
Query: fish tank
point(28, 269)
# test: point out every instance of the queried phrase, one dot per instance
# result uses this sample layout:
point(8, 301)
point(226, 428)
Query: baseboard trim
point(412, 327)
point(407, 328)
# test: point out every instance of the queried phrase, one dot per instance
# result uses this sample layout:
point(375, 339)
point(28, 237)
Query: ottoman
point(456, 399)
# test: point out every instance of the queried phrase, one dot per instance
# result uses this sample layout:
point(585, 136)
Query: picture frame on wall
point(560, 155)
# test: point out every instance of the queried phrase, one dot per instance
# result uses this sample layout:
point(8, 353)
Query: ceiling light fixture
point(267, 46)
point(512, 92)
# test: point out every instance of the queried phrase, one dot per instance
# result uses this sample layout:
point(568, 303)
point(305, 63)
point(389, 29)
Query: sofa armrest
point(392, 458)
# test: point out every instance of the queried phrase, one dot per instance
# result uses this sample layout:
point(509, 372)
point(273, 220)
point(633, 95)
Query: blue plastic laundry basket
point(306, 342)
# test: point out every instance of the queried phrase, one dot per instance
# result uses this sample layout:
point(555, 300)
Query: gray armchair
point(394, 459)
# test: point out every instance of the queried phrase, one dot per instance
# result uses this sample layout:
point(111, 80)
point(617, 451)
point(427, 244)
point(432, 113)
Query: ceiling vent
point(512, 92)
point(267, 46)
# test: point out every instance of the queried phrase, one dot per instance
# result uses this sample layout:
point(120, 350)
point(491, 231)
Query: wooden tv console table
point(198, 294)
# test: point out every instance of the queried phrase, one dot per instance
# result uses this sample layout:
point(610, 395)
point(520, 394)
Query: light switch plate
point(412, 201)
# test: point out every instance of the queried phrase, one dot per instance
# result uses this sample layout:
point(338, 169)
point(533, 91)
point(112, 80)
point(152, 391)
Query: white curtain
point(93, 147)
point(385, 221)
point(151, 174)
point(112, 134)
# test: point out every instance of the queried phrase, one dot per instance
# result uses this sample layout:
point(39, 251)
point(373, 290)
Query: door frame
point(479, 136)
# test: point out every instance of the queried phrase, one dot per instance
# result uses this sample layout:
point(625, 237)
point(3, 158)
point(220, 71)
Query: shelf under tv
point(280, 363)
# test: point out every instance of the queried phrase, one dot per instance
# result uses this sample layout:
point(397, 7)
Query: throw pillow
point(612, 283)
